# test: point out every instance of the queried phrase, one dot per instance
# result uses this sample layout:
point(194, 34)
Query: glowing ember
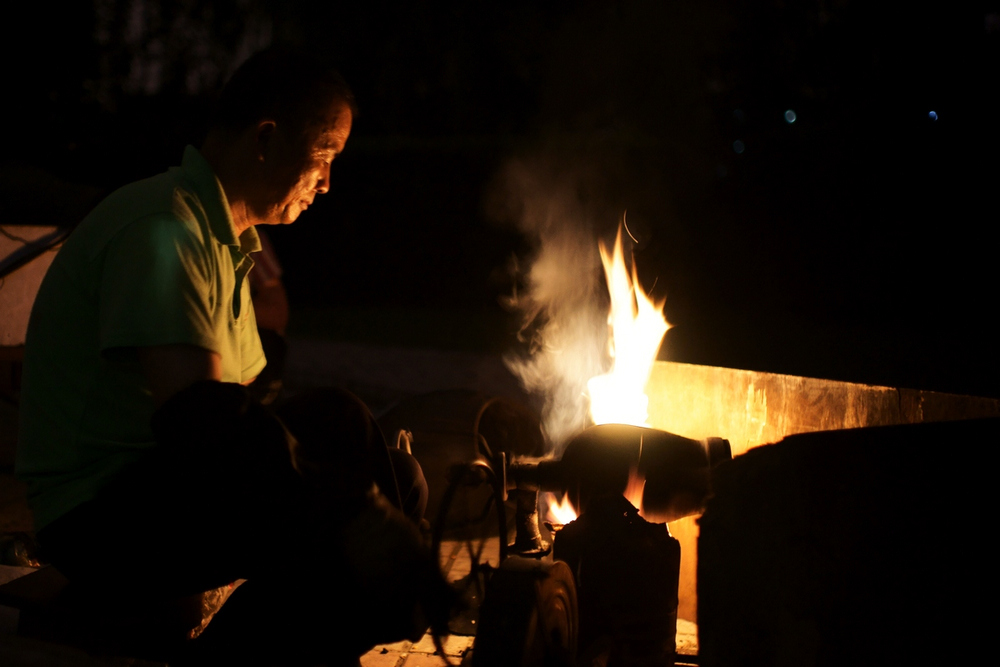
point(637, 328)
point(560, 511)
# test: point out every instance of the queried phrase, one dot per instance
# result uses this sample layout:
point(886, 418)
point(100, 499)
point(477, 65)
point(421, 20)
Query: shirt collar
point(199, 173)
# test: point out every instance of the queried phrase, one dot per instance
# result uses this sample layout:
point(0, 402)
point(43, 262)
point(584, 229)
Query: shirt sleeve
point(157, 287)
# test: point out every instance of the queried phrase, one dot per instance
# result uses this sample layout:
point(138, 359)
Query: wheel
point(529, 616)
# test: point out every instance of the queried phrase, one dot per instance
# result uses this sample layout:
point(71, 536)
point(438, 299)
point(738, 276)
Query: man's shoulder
point(166, 194)
point(162, 206)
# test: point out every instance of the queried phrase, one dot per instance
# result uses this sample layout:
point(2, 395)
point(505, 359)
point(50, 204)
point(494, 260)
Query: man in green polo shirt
point(156, 275)
point(148, 466)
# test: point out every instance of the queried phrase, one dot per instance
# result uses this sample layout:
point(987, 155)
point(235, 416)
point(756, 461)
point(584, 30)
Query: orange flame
point(637, 328)
point(560, 511)
point(634, 489)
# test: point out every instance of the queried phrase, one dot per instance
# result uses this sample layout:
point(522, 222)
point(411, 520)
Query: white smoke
point(564, 302)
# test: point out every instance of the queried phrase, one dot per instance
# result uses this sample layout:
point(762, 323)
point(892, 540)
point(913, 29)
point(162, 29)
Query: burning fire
point(637, 328)
point(634, 489)
point(560, 511)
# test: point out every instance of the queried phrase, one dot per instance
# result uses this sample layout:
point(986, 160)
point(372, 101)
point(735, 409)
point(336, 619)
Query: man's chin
point(288, 217)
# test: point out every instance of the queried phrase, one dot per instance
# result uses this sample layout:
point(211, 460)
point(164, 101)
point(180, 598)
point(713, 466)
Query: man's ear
point(264, 136)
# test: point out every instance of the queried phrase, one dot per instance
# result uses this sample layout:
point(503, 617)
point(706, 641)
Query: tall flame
point(637, 327)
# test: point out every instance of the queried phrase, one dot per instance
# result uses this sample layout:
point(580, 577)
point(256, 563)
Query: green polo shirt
point(156, 263)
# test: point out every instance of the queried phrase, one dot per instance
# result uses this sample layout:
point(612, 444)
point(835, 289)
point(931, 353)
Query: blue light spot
point(932, 115)
point(790, 117)
point(739, 147)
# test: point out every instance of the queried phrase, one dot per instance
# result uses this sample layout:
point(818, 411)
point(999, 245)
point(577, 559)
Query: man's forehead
point(324, 140)
point(332, 135)
point(333, 131)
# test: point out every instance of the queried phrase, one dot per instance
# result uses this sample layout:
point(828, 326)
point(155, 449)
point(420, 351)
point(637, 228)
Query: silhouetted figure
point(153, 475)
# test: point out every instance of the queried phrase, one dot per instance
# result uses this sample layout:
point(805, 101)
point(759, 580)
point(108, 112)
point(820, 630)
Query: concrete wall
point(17, 293)
point(752, 409)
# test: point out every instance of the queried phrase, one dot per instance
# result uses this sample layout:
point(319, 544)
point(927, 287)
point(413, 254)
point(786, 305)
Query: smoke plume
point(562, 298)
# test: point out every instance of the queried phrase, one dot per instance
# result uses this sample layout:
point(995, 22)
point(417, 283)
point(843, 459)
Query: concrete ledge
point(751, 408)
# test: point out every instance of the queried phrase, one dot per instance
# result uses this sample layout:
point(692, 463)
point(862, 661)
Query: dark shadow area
point(845, 241)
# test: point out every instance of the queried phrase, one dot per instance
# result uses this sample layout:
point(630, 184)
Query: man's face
point(297, 165)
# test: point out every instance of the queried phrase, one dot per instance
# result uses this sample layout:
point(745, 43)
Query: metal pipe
point(601, 458)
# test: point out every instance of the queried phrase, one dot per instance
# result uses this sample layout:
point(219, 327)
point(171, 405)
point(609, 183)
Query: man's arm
point(171, 368)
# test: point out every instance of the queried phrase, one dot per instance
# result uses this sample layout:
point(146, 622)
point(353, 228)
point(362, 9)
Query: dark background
point(856, 243)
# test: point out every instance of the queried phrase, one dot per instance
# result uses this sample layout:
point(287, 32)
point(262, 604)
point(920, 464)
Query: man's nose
point(323, 183)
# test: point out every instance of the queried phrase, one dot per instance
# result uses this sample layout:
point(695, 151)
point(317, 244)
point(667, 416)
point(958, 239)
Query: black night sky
point(852, 243)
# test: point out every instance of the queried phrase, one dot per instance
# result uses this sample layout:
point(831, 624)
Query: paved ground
point(455, 563)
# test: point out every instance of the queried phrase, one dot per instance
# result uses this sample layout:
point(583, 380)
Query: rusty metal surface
point(751, 408)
